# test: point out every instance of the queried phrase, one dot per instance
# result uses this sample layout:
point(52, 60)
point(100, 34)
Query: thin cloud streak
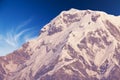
point(16, 37)
point(13, 38)
point(23, 24)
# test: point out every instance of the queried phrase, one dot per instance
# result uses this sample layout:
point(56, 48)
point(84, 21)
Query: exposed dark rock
point(95, 17)
point(103, 67)
point(94, 40)
point(114, 74)
point(83, 40)
point(44, 69)
point(72, 52)
point(81, 46)
point(70, 18)
point(47, 49)
point(66, 59)
point(53, 29)
point(105, 41)
point(25, 45)
point(113, 29)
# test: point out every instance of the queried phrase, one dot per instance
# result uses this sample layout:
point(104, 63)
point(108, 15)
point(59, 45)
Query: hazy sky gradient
point(21, 20)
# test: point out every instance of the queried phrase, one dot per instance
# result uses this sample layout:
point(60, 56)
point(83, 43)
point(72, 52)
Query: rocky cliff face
point(76, 45)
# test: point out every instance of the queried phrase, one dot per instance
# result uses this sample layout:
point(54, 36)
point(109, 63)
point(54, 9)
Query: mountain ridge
point(76, 45)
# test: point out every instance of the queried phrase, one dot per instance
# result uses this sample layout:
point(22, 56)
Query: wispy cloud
point(23, 24)
point(15, 37)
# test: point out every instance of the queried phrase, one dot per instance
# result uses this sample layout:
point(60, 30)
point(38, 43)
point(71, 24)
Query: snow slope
point(76, 45)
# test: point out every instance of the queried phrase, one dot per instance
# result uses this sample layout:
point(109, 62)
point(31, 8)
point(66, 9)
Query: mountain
point(76, 45)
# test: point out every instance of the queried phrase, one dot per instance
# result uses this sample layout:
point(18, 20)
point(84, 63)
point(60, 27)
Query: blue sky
point(21, 20)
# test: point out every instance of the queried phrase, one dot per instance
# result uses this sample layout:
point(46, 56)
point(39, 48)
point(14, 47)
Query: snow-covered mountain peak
point(76, 45)
point(81, 20)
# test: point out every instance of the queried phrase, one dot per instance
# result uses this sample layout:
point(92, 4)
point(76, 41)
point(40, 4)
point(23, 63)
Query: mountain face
point(76, 45)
